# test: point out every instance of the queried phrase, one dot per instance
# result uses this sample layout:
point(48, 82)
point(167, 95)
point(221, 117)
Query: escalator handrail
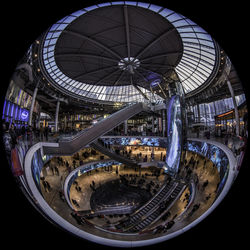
point(74, 137)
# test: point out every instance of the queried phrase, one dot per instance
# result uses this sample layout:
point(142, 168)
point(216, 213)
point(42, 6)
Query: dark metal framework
point(197, 60)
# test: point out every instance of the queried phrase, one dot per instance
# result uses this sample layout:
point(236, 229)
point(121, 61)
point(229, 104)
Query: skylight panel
point(104, 4)
point(182, 25)
point(155, 8)
point(131, 3)
point(117, 3)
point(165, 12)
point(173, 17)
point(78, 13)
point(91, 8)
point(144, 5)
point(69, 19)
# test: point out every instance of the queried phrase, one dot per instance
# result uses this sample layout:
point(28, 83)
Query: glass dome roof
point(193, 69)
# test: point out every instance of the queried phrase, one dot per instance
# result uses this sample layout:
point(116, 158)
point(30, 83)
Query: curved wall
point(81, 170)
point(39, 200)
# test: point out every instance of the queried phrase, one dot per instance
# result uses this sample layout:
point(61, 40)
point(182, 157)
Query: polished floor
point(179, 212)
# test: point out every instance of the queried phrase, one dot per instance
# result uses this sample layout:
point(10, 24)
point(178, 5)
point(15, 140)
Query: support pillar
point(198, 110)
point(33, 103)
point(153, 125)
point(163, 123)
point(205, 114)
point(56, 117)
point(237, 118)
point(126, 127)
point(199, 119)
point(38, 121)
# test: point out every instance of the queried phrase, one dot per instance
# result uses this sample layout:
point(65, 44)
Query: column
point(198, 110)
point(33, 103)
point(38, 121)
point(56, 117)
point(205, 111)
point(199, 119)
point(126, 127)
point(65, 122)
point(153, 125)
point(236, 112)
point(163, 123)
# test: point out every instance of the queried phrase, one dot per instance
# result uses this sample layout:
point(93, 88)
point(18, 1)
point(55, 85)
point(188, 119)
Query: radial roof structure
point(119, 51)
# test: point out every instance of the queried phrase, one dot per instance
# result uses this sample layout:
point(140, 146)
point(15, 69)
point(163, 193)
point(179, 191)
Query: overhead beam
point(158, 65)
point(125, 10)
point(98, 44)
point(119, 78)
point(61, 55)
point(134, 85)
point(154, 42)
point(160, 55)
point(94, 72)
point(107, 76)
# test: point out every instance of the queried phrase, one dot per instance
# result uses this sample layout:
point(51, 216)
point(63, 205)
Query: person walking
point(51, 168)
point(46, 132)
point(13, 134)
point(30, 135)
point(41, 131)
point(56, 170)
point(7, 140)
point(48, 186)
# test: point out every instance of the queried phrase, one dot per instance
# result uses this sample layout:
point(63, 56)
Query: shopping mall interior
point(125, 124)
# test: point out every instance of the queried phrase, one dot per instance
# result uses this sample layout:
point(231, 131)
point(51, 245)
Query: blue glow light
point(156, 82)
point(4, 105)
point(16, 111)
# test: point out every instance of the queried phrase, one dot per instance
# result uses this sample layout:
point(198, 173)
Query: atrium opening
point(125, 123)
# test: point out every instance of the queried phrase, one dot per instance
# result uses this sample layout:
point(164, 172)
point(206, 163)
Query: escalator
point(157, 213)
point(75, 143)
point(99, 147)
point(152, 211)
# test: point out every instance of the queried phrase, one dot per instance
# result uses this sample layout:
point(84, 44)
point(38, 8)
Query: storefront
point(16, 114)
point(225, 123)
point(16, 107)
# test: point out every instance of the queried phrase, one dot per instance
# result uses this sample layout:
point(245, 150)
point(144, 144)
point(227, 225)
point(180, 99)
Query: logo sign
point(24, 115)
point(155, 82)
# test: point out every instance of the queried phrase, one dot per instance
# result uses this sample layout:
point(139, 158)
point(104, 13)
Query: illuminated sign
point(227, 113)
point(155, 82)
point(24, 115)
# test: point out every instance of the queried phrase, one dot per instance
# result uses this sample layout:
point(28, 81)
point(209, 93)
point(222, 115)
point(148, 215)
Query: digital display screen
point(37, 165)
point(134, 141)
point(174, 134)
point(22, 149)
point(36, 169)
point(212, 152)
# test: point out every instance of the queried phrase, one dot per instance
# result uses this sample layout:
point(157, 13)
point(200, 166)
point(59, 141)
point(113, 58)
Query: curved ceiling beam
point(61, 55)
point(119, 78)
point(94, 71)
point(154, 42)
point(157, 65)
point(125, 10)
point(161, 55)
point(107, 76)
point(98, 44)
